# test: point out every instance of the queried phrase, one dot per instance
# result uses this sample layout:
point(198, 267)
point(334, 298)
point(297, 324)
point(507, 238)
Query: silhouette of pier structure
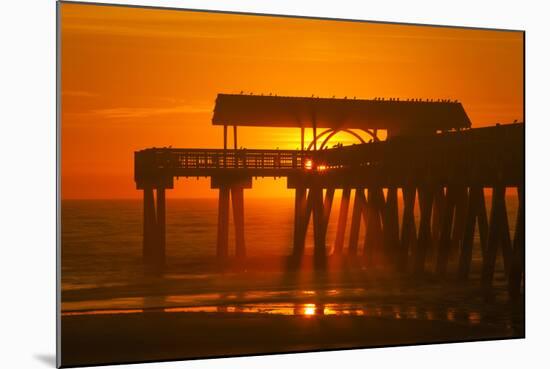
point(430, 155)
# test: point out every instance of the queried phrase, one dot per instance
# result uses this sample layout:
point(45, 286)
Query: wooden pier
point(446, 167)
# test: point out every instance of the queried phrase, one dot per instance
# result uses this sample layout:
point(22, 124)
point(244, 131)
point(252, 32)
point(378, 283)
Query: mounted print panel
point(242, 184)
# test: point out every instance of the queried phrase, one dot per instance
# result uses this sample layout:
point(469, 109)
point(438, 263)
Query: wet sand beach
point(101, 339)
point(270, 311)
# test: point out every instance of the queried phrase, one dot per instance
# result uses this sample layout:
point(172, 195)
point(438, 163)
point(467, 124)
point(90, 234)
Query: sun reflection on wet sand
point(309, 309)
point(309, 303)
point(306, 310)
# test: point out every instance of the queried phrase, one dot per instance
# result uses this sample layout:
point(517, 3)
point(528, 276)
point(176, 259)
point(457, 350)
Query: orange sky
point(135, 78)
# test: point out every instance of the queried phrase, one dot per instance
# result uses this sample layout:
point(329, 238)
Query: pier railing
point(223, 159)
point(158, 162)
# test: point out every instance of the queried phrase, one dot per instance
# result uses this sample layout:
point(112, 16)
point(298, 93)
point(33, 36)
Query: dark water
point(102, 269)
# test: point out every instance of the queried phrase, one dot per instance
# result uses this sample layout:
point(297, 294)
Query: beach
point(269, 311)
point(148, 336)
point(268, 303)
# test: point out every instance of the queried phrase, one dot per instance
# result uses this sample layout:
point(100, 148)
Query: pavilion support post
point(225, 137)
point(444, 240)
point(302, 138)
point(342, 221)
point(475, 197)
point(517, 263)
point(408, 226)
point(149, 227)
point(358, 204)
point(425, 199)
point(224, 145)
point(222, 249)
point(235, 137)
point(237, 197)
point(314, 125)
point(160, 247)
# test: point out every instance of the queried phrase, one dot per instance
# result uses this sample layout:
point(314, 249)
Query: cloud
point(145, 112)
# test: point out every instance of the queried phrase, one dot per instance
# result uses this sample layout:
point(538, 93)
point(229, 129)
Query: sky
point(133, 78)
